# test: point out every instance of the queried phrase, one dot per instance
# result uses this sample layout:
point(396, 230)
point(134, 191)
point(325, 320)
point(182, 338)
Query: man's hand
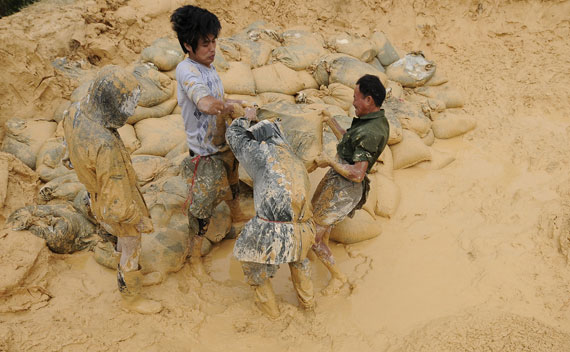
point(145, 225)
point(323, 160)
point(251, 114)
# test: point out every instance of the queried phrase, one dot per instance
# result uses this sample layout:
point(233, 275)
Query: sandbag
point(307, 80)
point(361, 48)
point(18, 185)
point(64, 187)
point(181, 148)
point(377, 65)
point(297, 57)
point(429, 138)
point(413, 70)
point(277, 78)
point(159, 110)
point(394, 90)
point(64, 229)
point(159, 135)
point(253, 52)
point(339, 95)
point(303, 128)
point(129, 138)
point(385, 163)
point(396, 130)
point(58, 114)
point(302, 37)
point(449, 125)
point(24, 138)
point(310, 96)
point(156, 87)
point(252, 99)
point(268, 98)
point(410, 115)
point(165, 199)
point(321, 68)
point(437, 79)
point(220, 62)
point(238, 79)
point(452, 97)
point(348, 70)
point(24, 267)
point(164, 53)
point(410, 151)
point(386, 52)
point(150, 168)
point(48, 162)
point(439, 160)
point(359, 228)
point(388, 198)
point(220, 223)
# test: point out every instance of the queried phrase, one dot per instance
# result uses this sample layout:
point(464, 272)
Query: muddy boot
point(266, 300)
point(106, 255)
point(130, 283)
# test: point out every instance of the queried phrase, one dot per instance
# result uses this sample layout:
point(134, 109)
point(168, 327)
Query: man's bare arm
point(212, 106)
point(333, 124)
point(355, 172)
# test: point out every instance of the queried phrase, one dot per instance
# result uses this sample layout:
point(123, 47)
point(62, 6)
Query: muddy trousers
point(258, 275)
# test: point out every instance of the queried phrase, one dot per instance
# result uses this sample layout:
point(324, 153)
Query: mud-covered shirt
point(196, 81)
point(365, 139)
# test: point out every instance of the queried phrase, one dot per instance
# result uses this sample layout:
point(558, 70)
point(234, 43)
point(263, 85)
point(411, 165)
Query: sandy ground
point(471, 261)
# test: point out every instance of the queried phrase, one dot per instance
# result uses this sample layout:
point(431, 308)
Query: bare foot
point(334, 286)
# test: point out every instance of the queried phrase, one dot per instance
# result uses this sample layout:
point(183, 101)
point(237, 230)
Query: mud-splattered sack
point(348, 70)
point(296, 57)
point(149, 168)
point(386, 52)
point(277, 78)
point(449, 125)
point(450, 96)
point(410, 115)
point(159, 110)
point(48, 162)
point(158, 136)
point(413, 70)
point(64, 229)
point(164, 53)
point(156, 87)
point(24, 138)
point(238, 79)
point(129, 138)
point(359, 228)
point(302, 126)
point(64, 187)
point(359, 47)
point(410, 151)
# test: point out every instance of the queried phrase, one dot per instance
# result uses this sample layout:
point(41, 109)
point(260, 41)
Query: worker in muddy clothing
point(211, 169)
point(282, 230)
point(345, 186)
point(103, 165)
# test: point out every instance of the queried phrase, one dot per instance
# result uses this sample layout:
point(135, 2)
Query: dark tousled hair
point(370, 86)
point(193, 23)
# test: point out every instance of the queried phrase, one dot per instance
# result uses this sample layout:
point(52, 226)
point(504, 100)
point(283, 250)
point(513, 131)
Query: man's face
point(360, 103)
point(205, 51)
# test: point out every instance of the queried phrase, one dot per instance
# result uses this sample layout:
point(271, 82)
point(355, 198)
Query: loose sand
point(473, 260)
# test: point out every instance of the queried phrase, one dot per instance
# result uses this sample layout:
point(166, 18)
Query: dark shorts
point(335, 198)
point(210, 180)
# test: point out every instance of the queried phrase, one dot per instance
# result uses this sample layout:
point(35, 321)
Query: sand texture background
point(473, 260)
